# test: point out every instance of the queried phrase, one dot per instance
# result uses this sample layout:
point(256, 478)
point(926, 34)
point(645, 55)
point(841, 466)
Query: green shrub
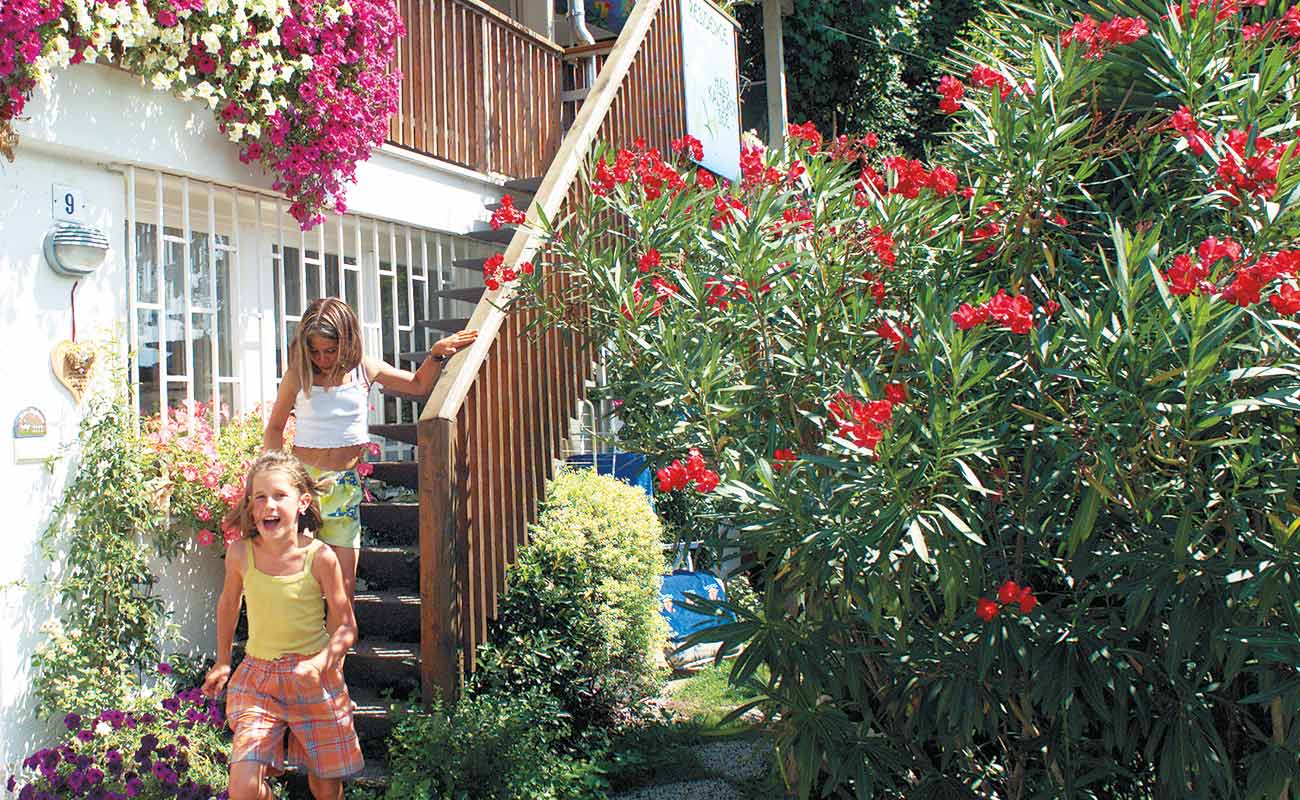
point(492, 747)
point(580, 617)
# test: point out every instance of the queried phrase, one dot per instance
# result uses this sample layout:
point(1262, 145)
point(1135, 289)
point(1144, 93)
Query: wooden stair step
point(382, 664)
point(524, 185)
point(450, 325)
point(402, 473)
point(390, 615)
point(399, 433)
point(390, 567)
point(468, 294)
point(472, 264)
point(392, 518)
point(501, 236)
point(371, 716)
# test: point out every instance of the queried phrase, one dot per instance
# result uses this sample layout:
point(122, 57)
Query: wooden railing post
point(440, 580)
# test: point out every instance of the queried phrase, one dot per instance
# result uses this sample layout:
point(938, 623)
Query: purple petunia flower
point(72, 720)
point(133, 787)
point(86, 735)
point(164, 668)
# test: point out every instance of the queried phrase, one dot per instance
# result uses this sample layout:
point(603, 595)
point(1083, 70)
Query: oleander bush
point(1010, 435)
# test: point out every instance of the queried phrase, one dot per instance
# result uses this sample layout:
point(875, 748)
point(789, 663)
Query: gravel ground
point(730, 760)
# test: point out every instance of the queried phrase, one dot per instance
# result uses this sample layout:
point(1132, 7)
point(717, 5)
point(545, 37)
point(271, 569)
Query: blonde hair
point(241, 516)
point(328, 318)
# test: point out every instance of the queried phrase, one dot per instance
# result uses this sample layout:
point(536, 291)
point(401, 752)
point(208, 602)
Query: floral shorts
point(264, 699)
point(340, 507)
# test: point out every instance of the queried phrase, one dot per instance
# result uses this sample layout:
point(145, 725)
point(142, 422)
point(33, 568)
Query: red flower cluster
point(678, 475)
point(861, 422)
point(951, 91)
point(882, 245)
point(726, 208)
point(1103, 37)
point(1185, 124)
point(800, 217)
point(1009, 594)
point(723, 290)
point(1186, 276)
point(495, 273)
point(1013, 312)
point(1243, 174)
point(648, 166)
point(506, 214)
point(988, 78)
point(806, 132)
point(690, 145)
point(754, 171)
point(894, 334)
point(649, 261)
point(1246, 283)
point(910, 178)
point(662, 289)
point(783, 457)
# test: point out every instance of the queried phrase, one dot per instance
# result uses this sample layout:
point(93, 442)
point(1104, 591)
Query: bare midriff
point(332, 459)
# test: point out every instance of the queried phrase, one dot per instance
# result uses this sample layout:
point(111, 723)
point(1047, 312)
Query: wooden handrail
point(489, 434)
point(512, 24)
point(478, 88)
point(449, 394)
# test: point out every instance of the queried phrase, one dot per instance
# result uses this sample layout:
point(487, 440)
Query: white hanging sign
point(712, 96)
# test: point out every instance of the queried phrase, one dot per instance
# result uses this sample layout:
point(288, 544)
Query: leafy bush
point(580, 616)
point(135, 485)
point(491, 747)
point(148, 748)
point(1015, 449)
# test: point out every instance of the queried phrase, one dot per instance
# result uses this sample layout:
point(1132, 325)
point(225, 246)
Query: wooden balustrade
point(491, 433)
point(478, 89)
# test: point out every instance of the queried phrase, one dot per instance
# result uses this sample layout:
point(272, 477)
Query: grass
point(664, 749)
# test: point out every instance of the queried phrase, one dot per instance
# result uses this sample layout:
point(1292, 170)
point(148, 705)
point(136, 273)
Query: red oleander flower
point(1026, 600)
point(871, 141)
point(506, 214)
point(988, 78)
point(648, 261)
point(967, 316)
point(782, 457)
point(896, 393)
point(690, 145)
point(1008, 593)
point(986, 609)
point(1287, 300)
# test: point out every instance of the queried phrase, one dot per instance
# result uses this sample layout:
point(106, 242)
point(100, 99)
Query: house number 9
point(68, 202)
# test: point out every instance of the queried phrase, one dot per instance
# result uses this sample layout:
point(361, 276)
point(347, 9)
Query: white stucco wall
point(95, 121)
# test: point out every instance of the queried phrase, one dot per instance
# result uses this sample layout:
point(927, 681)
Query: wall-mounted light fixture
point(74, 249)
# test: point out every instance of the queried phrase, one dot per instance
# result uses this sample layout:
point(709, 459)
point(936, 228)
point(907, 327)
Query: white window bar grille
point(182, 245)
point(201, 333)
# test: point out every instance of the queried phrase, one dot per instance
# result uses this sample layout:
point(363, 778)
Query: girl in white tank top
point(327, 389)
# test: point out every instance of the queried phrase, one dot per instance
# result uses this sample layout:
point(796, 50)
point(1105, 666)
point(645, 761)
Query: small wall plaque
point(32, 442)
point(30, 424)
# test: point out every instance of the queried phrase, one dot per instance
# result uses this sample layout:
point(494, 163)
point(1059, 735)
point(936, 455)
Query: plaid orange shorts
point(264, 699)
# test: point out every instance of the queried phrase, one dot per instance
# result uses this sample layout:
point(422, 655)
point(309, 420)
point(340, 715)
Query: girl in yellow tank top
point(300, 624)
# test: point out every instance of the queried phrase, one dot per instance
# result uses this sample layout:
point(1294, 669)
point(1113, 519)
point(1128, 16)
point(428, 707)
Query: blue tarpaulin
point(627, 467)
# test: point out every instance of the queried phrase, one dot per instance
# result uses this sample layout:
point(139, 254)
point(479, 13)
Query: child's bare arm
point(421, 381)
point(232, 594)
point(339, 618)
point(273, 439)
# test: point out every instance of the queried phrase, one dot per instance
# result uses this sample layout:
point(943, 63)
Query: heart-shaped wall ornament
point(72, 362)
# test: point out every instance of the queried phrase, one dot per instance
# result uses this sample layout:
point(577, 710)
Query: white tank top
point(333, 416)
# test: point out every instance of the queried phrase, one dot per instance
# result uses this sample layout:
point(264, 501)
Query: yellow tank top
point(286, 613)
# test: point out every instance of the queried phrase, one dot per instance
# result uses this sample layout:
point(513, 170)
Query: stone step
point(450, 325)
point(394, 519)
point(381, 664)
point(392, 614)
point(390, 567)
point(500, 237)
point(372, 779)
point(401, 473)
point(401, 433)
point(371, 719)
point(524, 186)
point(468, 294)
